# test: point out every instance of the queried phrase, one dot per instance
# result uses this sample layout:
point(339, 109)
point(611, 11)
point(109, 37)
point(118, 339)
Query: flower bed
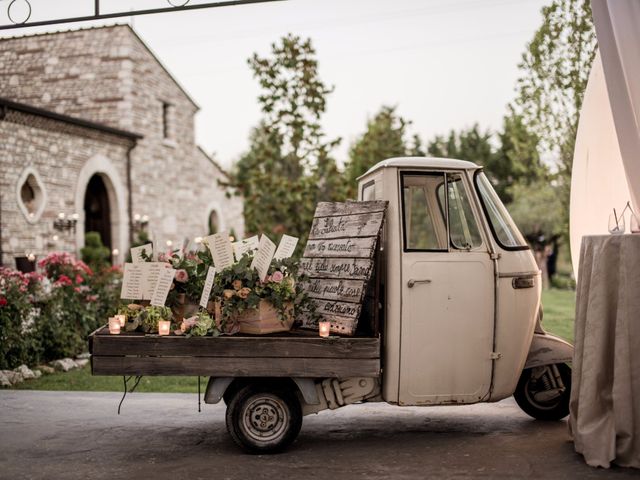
point(47, 315)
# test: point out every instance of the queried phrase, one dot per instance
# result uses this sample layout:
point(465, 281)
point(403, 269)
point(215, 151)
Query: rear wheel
point(543, 392)
point(261, 419)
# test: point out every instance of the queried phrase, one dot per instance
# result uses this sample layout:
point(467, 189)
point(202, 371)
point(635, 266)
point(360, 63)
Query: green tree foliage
point(288, 167)
point(538, 211)
point(94, 253)
point(513, 159)
point(384, 138)
point(554, 73)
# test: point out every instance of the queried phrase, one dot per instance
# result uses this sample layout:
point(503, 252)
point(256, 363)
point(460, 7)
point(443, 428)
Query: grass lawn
point(559, 308)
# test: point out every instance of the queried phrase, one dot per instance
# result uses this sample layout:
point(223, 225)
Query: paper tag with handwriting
point(136, 252)
point(286, 247)
point(221, 250)
point(246, 245)
point(262, 258)
point(208, 284)
point(163, 285)
point(132, 281)
point(150, 273)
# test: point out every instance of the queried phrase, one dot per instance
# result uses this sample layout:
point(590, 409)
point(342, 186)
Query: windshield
point(504, 229)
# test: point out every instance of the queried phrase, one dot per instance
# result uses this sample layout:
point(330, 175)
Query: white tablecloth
point(605, 396)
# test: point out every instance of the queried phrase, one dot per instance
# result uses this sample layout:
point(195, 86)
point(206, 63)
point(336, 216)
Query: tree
point(288, 167)
point(384, 138)
point(94, 253)
point(554, 73)
point(517, 160)
point(538, 211)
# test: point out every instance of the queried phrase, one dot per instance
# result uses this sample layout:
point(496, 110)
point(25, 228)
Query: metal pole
point(152, 11)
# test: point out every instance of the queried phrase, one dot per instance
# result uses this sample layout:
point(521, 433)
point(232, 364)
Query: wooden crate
point(282, 355)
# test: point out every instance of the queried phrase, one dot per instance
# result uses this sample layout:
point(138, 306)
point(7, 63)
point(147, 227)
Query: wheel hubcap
point(265, 418)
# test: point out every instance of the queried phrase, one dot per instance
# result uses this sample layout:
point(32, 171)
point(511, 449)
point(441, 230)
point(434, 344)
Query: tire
point(542, 382)
point(262, 419)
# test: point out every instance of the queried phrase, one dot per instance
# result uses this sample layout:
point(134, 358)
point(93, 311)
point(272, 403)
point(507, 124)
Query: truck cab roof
point(422, 162)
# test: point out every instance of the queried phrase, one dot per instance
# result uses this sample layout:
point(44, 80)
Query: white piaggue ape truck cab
point(457, 321)
point(461, 294)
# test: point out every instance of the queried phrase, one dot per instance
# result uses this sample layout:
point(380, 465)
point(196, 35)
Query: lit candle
point(164, 326)
point(324, 328)
point(122, 319)
point(114, 325)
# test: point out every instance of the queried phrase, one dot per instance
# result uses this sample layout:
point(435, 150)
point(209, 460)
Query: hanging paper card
point(246, 245)
point(132, 281)
point(263, 256)
point(136, 252)
point(286, 247)
point(208, 284)
point(150, 272)
point(221, 250)
point(163, 285)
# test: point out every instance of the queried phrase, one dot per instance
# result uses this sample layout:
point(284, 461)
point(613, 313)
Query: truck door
point(447, 292)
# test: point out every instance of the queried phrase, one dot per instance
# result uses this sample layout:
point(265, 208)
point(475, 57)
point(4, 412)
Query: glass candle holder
point(122, 319)
point(324, 328)
point(616, 224)
point(164, 327)
point(114, 326)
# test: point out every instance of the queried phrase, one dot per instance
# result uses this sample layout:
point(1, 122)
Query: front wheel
point(543, 392)
point(262, 419)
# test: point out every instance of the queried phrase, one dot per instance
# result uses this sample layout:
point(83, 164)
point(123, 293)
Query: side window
point(463, 228)
point(369, 191)
point(425, 227)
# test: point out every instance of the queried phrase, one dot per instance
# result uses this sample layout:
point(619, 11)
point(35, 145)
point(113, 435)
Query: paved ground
point(76, 435)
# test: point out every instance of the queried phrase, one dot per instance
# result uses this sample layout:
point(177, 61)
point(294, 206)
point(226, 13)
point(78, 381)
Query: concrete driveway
point(77, 435)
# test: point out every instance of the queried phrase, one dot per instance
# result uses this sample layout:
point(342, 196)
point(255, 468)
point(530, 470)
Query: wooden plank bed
point(294, 354)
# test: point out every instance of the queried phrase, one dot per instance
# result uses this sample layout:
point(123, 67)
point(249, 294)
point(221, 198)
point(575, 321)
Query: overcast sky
point(444, 63)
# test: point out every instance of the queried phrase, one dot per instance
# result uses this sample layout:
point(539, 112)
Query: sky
point(445, 64)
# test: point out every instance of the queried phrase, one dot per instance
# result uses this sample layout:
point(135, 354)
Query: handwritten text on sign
point(338, 261)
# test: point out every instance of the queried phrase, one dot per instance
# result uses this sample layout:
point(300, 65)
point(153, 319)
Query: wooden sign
point(338, 261)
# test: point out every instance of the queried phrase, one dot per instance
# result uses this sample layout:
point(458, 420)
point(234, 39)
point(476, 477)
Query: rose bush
point(49, 315)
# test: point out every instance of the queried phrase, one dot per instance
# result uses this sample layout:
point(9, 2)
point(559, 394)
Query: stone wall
point(57, 153)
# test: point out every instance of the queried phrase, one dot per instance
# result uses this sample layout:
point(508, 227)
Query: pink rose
point(277, 276)
point(182, 276)
point(187, 323)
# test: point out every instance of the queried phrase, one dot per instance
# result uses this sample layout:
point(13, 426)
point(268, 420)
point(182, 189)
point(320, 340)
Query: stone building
point(94, 127)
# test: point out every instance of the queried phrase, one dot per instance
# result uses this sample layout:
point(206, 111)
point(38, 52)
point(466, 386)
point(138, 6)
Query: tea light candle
point(164, 326)
point(324, 328)
point(122, 319)
point(114, 325)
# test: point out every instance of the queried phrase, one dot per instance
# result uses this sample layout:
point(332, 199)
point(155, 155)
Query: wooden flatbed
point(294, 354)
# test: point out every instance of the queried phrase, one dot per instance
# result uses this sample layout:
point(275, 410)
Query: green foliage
point(554, 73)
point(240, 288)
point(204, 326)
point(43, 319)
point(94, 253)
point(288, 167)
point(384, 138)
point(151, 315)
point(537, 210)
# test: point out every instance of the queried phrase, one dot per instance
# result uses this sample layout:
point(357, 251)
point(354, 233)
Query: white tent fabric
point(598, 177)
point(618, 31)
point(608, 140)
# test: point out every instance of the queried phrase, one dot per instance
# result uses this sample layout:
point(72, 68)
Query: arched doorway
point(97, 212)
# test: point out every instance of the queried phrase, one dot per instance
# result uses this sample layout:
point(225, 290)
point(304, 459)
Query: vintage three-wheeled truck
point(452, 316)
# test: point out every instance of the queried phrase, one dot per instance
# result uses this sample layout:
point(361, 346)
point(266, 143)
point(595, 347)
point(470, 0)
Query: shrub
point(45, 317)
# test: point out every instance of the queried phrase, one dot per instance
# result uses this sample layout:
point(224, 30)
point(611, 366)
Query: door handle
point(412, 282)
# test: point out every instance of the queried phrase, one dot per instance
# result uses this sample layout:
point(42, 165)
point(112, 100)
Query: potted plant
point(248, 304)
point(152, 315)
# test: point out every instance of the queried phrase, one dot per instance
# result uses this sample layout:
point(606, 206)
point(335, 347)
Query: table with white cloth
point(605, 394)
